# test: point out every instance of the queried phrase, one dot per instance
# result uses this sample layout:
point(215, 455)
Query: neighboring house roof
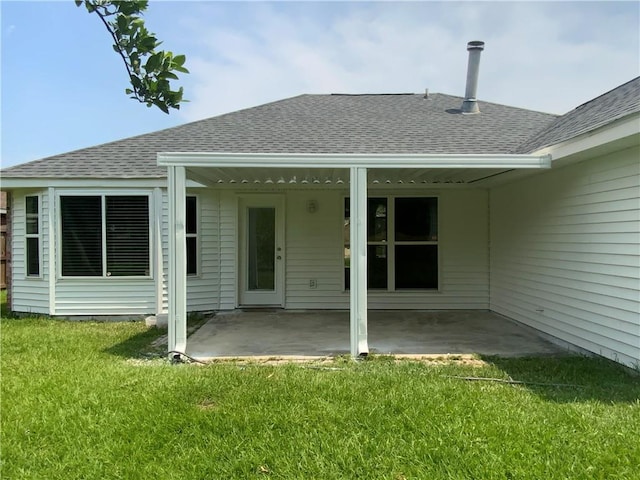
point(602, 110)
point(366, 124)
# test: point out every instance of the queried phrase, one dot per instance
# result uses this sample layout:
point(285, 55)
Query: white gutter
point(331, 160)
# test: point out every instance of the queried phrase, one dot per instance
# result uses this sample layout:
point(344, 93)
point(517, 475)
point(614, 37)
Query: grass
point(95, 401)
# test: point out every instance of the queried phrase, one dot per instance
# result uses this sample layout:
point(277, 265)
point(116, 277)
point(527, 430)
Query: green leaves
point(149, 69)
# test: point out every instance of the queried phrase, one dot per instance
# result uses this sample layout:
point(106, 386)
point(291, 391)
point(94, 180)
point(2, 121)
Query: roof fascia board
point(615, 131)
point(35, 182)
point(288, 160)
point(27, 182)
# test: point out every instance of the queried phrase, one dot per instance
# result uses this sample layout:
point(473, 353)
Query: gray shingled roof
point(385, 124)
point(602, 110)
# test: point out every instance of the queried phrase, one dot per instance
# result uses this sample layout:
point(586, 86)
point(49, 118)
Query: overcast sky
point(63, 86)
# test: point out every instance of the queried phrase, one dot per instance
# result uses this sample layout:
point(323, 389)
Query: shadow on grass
point(141, 345)
point(150, 344)
point(566, 379)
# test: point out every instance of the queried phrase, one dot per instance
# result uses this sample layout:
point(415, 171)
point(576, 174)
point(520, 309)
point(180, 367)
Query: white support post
point(177, 260)
point(51, 229)
point(358, 242)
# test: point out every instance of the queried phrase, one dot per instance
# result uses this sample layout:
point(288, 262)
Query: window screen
point(125, 245)
point(127, 222)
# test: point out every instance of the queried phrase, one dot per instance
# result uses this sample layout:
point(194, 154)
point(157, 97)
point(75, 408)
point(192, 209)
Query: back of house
point(530, 215)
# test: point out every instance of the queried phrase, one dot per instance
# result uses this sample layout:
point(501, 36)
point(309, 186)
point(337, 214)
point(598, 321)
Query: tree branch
point(149, 70)
point(119, 50)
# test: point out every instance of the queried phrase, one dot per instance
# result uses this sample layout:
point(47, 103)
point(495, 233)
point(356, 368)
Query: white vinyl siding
point(565, 254)
point(315, 252)
point(105, 296)
point(165, 252)
point(228, 250)
point(202, 289)
point(29, 293)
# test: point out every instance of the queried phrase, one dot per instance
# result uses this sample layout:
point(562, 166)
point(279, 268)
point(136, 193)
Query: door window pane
point(261, 248)
point(416, 266)
point(416, 219)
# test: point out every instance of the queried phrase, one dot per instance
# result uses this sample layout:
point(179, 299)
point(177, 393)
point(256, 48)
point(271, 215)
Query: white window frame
point(103, 194)
point(38, 236)
point(391, 243)
point(194, 235)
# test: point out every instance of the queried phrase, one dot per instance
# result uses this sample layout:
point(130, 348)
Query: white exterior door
point(261, 279)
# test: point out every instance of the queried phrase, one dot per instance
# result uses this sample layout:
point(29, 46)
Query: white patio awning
point(214, 169)
point(356, 170)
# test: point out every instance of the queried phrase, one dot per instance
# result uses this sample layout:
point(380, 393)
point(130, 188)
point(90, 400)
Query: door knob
point(279, 257)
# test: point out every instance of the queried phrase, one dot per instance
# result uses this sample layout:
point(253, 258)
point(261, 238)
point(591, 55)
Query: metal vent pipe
point(470, 104)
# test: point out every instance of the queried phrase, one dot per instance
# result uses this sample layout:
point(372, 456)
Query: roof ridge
point(368, 94)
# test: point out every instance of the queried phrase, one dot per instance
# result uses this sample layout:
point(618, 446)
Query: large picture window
point(32, 235)
point(402, 243)
point(105, 235)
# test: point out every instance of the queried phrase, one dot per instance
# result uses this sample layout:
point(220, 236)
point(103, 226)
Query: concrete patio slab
point(326, 333)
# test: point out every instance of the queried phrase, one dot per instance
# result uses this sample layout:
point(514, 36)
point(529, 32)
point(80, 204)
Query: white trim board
point(345, 161)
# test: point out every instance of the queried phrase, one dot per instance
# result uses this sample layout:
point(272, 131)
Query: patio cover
point(196, 166)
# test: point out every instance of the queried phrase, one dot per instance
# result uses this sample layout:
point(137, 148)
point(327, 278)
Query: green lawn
point(93, 401)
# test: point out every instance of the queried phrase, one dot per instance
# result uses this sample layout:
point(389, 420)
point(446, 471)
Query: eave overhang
point(620, 134)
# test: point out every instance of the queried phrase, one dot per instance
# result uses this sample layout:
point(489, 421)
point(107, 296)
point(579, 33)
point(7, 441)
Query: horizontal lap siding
point(202, 290)
point(105, 296)
point(228, 247)
point(29, 294)
point(465, 248)
point(565, 254)
point(165, 252)
point(315, 252)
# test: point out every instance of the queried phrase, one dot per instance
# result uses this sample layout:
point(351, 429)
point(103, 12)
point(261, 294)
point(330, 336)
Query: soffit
point(212, 176)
